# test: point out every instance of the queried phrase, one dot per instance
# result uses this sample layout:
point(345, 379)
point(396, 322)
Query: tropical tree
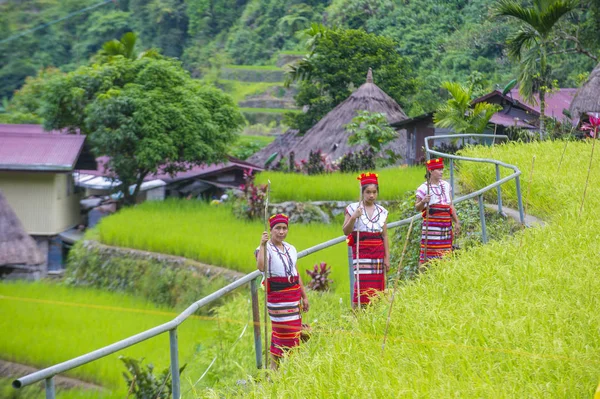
point(530, 44)
point(147, 115)
point(459, 114)
point(337, 63)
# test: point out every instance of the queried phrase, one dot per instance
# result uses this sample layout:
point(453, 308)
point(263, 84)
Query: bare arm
point(304, 304)
point(260, 256)
point(422, 203)
point(350, 220)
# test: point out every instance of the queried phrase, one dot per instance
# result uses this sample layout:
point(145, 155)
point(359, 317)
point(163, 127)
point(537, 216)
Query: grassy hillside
point(513, 319)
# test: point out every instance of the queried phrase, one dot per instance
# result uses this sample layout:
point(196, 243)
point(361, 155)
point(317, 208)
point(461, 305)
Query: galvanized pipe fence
point(47, 375)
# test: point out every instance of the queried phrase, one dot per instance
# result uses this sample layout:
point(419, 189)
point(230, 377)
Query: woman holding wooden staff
point(434, 199)
point(366, 227)
point(286, 296)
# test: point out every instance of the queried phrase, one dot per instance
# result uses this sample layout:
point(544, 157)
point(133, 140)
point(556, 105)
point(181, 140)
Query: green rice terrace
point(514, 318)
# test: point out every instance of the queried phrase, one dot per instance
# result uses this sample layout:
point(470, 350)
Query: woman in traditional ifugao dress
point(366, 223)
point(286, 296)
point(437, 233)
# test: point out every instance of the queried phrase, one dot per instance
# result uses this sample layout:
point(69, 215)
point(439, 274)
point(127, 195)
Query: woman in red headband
point(437, 234)
point(285, 292)
point(367, 221)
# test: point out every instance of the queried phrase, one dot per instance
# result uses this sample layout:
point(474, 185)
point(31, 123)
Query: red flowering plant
point(319, 277)
point(592, 128)
point(251, 204)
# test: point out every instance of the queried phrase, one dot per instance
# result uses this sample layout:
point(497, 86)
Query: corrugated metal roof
point(28, 147)
point(502, 119)
point(556, 101)
point(194, 172)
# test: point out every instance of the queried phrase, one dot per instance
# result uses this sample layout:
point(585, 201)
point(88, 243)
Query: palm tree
point(458, 114)
point(529, 45)
point(125, 47)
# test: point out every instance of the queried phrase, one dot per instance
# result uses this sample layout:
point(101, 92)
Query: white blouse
point(373, 224)
point(440, 193)
point(280, 263)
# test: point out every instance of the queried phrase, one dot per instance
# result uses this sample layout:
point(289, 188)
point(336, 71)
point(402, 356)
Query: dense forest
point(440, 39)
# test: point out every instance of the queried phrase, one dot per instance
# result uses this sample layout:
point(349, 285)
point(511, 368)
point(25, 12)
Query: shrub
point(319, 277)
point(159, 282)
point(142, 382)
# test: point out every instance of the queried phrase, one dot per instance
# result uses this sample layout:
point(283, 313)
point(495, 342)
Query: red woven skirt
point(436, 234)
point(372, 272)
point(283, 304)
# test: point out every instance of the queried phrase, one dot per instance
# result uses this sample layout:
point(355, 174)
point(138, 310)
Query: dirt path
point(15, 370)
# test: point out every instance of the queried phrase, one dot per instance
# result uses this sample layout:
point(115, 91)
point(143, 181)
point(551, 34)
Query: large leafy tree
point(337, 63)
point(459, 114)
point(530, 44)
point(146, 114)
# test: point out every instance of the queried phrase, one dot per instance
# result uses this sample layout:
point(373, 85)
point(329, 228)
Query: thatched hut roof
point(17, 248)
point(587, 98)
point(329, 135)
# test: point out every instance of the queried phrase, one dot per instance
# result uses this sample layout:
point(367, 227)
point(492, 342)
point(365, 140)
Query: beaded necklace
point(289, 266)
point(370, 222)
point(440, 193)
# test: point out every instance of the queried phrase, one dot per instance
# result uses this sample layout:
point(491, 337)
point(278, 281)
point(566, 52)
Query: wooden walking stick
point(266, 271)
point(358, 252)
point(426, 220)
point(387, 323)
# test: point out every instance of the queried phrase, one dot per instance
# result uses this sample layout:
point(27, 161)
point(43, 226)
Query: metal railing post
point(351, 269)
point(452, 176)
point(256, 320)
point(520, 200)
point(482, 218)
point(50, 394)
point(499, 189)
point(174, 364)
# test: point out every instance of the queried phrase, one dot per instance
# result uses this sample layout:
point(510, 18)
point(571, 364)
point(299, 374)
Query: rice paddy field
point(45, 323)
point(213, 234)
point(517, 318)
point(394, 182)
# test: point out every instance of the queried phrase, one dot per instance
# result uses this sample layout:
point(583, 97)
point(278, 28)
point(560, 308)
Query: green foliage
point(146, 114)
point(531, 44)
point(246, 145)
point(371, 128)
point(338, 62)
point(142, 381)
point(460, 115)
point(159, 282)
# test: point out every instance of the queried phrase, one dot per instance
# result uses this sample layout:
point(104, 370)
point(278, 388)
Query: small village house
point(515, 113)
point(36, 180)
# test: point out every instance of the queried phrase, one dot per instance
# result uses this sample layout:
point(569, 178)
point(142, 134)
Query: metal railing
point(48, 373)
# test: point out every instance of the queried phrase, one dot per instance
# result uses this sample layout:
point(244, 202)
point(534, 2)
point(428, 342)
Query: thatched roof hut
point(329, 135)
point(17, 248)
point(587, 98)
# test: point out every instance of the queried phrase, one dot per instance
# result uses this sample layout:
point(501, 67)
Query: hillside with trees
point(436, 40)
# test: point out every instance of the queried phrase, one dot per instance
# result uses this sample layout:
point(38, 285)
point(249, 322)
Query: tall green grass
point(43, 324)
point(212, 234)
point(517, 318)
point(547, 191)
point(394, 183)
